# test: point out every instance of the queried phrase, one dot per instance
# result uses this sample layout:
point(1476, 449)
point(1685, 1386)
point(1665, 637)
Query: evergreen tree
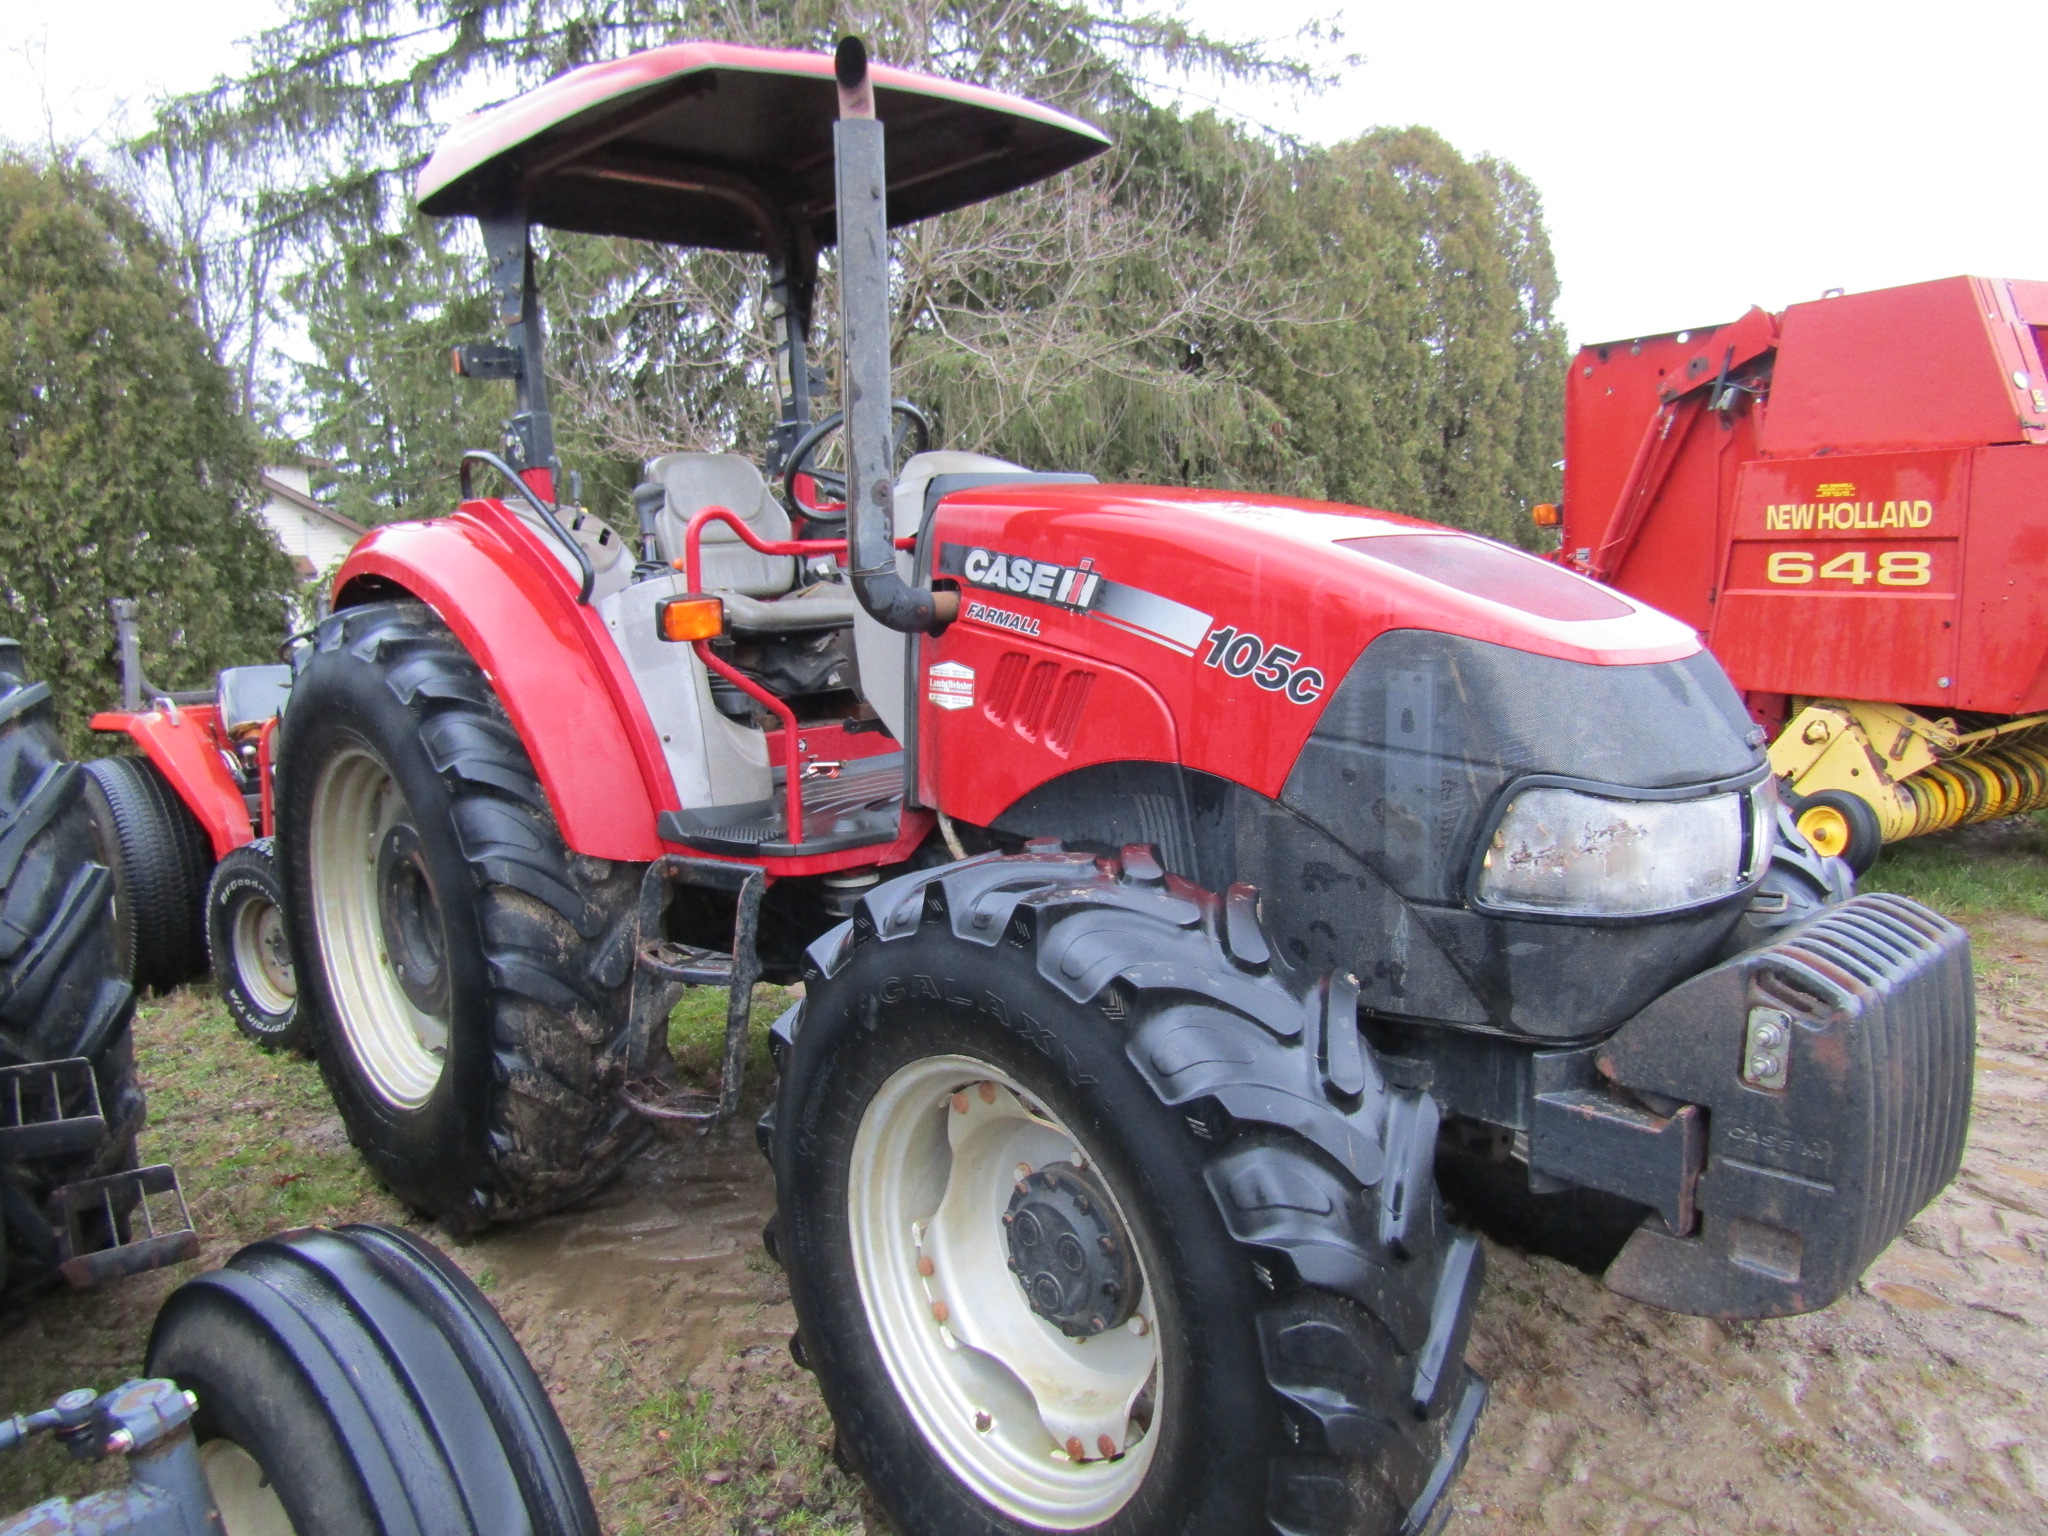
point(127, 470)
point(1433, 382)
point(1201, 305)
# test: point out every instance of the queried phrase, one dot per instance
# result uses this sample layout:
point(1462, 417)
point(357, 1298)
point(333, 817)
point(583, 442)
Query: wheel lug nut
point(984, 1421)
point(940, 1311)
point(1023, 1173)
point(959, 1103)
point(924, 1266)
point(1105, 1445)
point(1074, 1448)
point(1140, 1324)
point(988, 1093)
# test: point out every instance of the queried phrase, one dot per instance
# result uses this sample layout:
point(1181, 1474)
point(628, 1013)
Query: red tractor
point(1844, 501)
point(184, 825)
point(1171, 876)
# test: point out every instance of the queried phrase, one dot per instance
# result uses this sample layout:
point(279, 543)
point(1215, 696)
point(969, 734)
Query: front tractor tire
point(464, 973)
point(1094, 1223)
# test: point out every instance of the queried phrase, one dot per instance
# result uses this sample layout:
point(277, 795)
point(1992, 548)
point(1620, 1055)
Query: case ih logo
point(1064, 586)
point(1078, 589)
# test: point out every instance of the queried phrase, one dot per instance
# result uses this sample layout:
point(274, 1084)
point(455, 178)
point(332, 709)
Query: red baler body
point(1862, 515)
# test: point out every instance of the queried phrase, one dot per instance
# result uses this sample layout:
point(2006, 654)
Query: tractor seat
point(695, 481)
point(248, 696)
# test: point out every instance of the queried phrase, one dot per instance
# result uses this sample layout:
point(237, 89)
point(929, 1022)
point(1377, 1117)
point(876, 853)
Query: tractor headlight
point(1567, 853)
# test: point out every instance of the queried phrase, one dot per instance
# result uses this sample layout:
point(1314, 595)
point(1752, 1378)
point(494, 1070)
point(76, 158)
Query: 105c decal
point(1275, 668)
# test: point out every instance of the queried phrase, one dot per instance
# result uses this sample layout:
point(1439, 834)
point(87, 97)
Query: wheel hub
point(410, 919)
point(1070, 1253)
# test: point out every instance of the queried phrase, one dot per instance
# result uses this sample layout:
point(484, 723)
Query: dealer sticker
point(950, 685)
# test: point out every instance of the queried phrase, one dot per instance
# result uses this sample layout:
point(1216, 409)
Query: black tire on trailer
point(251, 952)
point(1843, 826)
point(355, 1383)
point(160, 858)
point(996, 1057)
point(62, 994)
point(463, 974)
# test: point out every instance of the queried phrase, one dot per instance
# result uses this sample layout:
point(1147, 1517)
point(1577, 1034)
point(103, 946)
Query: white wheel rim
point(262, 955)
point(997, 1391)
point(400, 1047)
point(248, 1505)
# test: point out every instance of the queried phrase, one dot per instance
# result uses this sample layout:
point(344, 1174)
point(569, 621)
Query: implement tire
point(250, 951)
point(160, 859)
point(62, 990)
point(1006, 1053)
point(464, 974)
point(355, 1383)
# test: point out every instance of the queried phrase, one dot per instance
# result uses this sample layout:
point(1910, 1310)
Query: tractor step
point(686, 963)
point(860, 805)
point(146, 1197)
point(34, 1121)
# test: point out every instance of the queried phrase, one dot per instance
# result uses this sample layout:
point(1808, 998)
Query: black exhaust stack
point(862, 196)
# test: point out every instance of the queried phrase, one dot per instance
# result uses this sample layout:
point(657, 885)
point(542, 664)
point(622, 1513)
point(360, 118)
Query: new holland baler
point(1849, 501)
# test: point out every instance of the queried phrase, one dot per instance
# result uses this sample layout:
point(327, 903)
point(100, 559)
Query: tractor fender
point(184, 743)
point(549, 659)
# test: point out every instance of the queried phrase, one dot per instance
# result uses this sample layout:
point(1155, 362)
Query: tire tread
point(1324, 1180)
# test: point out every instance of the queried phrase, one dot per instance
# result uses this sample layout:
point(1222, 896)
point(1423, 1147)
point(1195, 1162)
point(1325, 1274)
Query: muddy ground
point(1918, 1404)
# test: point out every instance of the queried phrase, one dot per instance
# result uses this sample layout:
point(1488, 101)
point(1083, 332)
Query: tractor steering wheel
point(910, 422)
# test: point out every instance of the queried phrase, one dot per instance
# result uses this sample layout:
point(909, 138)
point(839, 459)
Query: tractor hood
point(1365, 692)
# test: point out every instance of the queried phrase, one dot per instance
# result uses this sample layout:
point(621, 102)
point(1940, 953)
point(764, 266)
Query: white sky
point(1693, 160)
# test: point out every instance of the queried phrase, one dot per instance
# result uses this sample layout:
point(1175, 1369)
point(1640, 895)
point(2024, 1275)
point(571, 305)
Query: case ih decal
point(1064, 586)
point(1076, 588)
point(1275, 668)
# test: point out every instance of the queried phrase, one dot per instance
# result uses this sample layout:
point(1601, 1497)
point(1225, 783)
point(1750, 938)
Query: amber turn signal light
point(1544, 515)
point(690, 617)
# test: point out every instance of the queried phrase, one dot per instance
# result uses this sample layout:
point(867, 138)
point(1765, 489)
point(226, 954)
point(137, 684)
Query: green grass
point(745, 1456)
point(696, 1035)
point(1999, 867)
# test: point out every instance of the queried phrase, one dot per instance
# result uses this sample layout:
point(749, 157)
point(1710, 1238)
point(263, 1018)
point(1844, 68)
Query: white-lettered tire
point(463, 975)
point(250, 949)
point(1301, 1304)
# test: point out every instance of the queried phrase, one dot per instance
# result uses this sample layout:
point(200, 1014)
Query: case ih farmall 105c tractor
point(1844, 500)
point(1169, 873)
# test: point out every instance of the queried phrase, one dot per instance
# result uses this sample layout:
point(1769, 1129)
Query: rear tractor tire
point(251, 951)
point(63, 992)
point(1842, 826)
point(1092, 1223)
point(160, 858)
point(464, 975)
point(355, 1383)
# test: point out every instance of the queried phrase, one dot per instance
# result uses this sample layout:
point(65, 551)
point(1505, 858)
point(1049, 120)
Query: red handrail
point(693, 573)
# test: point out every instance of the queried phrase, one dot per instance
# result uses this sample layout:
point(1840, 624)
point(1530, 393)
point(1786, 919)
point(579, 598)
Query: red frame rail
point(692, 564)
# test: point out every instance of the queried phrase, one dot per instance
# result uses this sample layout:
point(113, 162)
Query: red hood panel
point(1238, 614)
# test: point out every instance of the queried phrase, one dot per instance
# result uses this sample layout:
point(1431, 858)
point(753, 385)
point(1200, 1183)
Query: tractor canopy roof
point(706, 144)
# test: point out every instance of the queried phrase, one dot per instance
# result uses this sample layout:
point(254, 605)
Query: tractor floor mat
point(49, 1109)
point(120, 1225)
